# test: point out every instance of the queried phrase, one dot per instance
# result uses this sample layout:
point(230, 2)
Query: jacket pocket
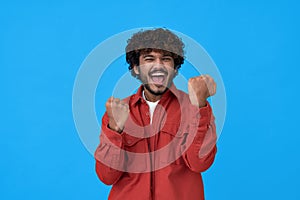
point(137, 158)
point(173, 138)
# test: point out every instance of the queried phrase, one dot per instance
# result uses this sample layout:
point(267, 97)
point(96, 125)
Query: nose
point(158, 64)
point(158, 61)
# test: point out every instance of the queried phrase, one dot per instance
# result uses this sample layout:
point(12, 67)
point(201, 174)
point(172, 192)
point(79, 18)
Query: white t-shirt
point(152, 106)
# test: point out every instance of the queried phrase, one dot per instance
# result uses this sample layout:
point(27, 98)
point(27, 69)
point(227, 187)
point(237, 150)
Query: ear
point(176, 71)
point(136, 70)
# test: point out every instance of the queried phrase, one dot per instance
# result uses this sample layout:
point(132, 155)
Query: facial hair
point(153, 92)
point(147, 86)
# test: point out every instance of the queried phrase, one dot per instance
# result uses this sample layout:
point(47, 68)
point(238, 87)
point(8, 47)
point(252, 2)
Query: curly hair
point(157, 39)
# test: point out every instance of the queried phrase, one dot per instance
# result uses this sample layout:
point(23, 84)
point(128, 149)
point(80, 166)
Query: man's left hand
point(200, 88)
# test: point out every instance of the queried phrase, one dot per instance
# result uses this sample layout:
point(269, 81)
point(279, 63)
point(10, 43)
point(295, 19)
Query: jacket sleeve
point(202, 138)
point(109, 155)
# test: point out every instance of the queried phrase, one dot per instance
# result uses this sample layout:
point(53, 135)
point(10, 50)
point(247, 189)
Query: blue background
point(254, 43)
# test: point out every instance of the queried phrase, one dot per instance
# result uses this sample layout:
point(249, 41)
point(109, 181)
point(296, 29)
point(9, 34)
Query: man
point(155, 143)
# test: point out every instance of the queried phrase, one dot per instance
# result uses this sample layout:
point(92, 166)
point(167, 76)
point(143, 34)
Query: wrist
point(202, 103)
point(113, 126)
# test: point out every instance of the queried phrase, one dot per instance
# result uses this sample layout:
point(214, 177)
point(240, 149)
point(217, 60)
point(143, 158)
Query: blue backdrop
point(255, 45)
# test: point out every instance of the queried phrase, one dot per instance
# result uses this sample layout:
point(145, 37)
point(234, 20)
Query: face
point(156, 71)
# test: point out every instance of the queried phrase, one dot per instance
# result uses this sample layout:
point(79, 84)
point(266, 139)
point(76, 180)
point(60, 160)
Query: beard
point(157, 93)
point(159, 88)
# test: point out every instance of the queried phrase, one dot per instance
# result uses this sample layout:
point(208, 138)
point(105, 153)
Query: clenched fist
point(200, 88)
point(117, 112)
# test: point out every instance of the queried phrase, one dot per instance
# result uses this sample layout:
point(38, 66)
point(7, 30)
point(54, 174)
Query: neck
point(150, 96)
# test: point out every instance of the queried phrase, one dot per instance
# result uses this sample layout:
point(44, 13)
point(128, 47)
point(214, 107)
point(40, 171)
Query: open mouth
point(158, 78)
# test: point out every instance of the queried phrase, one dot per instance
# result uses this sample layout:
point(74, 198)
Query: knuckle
point(108, 104)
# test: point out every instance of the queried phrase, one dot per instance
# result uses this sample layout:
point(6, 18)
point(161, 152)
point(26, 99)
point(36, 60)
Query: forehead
point(155, 52)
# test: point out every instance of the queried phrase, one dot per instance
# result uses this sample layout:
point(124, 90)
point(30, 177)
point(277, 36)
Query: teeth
point(158, 74)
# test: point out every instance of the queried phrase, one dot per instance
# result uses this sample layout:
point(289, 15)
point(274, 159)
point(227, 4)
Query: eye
point(148, 59)
point(167, 59)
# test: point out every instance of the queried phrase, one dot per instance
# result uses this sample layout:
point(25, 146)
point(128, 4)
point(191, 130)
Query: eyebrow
point(147, 55)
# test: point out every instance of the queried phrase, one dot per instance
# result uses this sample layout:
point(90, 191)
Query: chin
point(156, 90)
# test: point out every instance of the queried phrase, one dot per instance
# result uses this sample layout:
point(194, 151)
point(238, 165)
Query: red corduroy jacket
point(162, 160)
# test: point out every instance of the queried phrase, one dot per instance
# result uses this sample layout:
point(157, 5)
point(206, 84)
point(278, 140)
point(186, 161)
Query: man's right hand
point(118, 112)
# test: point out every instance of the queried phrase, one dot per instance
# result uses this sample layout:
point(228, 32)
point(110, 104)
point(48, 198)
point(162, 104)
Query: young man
point(155, 143)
